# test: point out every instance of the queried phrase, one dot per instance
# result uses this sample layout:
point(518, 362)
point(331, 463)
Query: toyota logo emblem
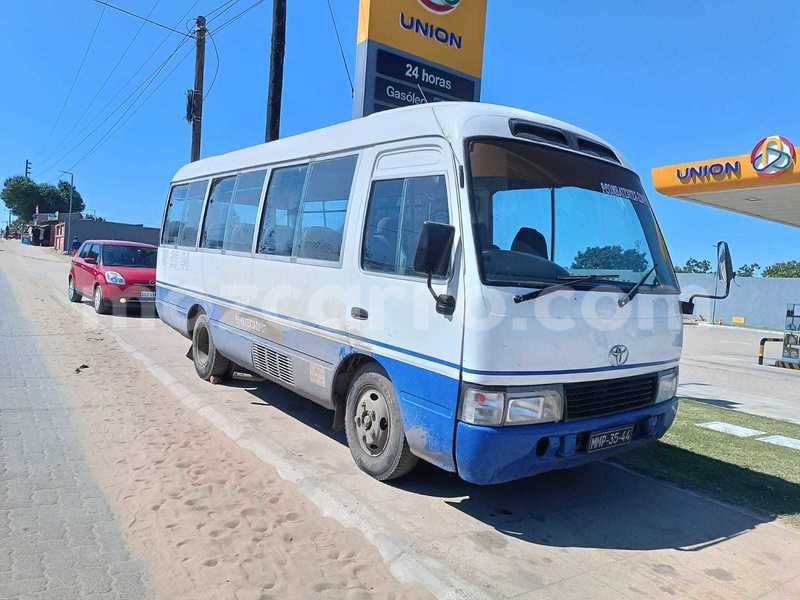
point(618, 355)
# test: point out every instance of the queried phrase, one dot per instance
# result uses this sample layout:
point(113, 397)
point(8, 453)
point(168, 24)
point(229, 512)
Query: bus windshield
point(542, 215)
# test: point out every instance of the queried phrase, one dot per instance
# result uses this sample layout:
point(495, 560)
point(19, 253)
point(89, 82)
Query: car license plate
point(147, 295)
point(601, 440)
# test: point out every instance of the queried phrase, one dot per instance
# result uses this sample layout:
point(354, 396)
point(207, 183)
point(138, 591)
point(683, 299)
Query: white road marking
point(781, 440)
point(736, 430)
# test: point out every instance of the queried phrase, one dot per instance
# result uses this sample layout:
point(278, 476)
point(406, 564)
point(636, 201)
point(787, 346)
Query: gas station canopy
point(764, 183)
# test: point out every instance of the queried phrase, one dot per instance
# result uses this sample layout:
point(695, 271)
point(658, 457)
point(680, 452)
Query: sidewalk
point(58, 538)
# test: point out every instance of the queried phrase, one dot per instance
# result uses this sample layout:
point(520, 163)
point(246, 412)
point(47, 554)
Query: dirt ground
point(209, 519)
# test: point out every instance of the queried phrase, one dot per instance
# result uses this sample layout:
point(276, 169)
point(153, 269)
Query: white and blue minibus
point(480, 287)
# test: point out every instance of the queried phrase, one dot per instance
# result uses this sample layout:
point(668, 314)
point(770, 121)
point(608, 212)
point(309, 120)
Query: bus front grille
point(597, 398)
point(273, 364)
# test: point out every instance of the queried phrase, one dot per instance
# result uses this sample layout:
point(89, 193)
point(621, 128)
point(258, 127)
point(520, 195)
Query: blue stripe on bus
point(413, 353)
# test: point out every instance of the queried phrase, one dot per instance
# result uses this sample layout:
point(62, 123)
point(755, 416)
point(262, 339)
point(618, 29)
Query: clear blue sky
point(663, 81)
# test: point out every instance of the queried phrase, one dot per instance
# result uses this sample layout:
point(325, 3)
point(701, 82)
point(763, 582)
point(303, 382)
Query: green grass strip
point(743, 471)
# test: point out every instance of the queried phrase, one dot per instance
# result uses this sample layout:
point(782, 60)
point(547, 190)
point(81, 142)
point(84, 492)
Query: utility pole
point(68, 230)
point(27, 169)
point(277, 53)
point(197, 94)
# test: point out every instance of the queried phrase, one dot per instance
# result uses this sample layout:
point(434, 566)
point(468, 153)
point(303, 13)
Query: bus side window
point(193, 209)
point(183, 214)
point(241, 222)
point(284, 193)
point(395, 215)
point(219, 201)
point(324, 209)
point(175, 207)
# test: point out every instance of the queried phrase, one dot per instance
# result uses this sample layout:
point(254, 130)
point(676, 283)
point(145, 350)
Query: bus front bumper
point(489, 455)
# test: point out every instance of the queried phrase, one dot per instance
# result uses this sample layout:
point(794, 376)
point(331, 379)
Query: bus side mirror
point(725, 266)
point(433, 258)
point(725, 273)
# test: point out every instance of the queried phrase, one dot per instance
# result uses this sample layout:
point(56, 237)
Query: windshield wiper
point(570, 279)
point(635, 289)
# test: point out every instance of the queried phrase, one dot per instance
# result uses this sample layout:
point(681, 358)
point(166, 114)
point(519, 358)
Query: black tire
point(73, 294)
point(391, 458)
point(208, 362)
point(101, 305)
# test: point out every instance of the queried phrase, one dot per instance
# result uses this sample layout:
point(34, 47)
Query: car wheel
point(73, 294)
point(101, 306)
point(374, 426)
point(208, 362)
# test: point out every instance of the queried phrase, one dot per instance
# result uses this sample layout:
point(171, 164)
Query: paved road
point(58, 539)
point(597, 531)
point(719, 367)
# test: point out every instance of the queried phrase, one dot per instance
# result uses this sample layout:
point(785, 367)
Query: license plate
point(601, 440)
point(147, 295)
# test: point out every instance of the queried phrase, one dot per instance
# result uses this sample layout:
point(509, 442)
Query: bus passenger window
point(280, 211)
point(219, 201)
point(175, 208)
point(183, 214)
point(241, 222)
point(324, 209)
point(397, 209)
point(193, 208)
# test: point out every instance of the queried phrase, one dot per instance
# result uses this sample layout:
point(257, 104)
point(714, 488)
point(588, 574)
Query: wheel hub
point(372, 421)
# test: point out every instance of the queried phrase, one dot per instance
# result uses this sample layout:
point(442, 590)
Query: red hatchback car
point(113, 273)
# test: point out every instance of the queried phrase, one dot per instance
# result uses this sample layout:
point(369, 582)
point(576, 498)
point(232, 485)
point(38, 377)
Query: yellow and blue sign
point(773, 161)
point(417, 51)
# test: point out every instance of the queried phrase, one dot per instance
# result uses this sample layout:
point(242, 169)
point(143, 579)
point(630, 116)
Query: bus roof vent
point(595, 149)
point(538, 133)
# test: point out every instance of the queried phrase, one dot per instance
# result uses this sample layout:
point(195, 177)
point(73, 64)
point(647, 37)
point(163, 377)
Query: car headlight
point(667, 385)
point(114, 277)
point(482, 407)
point(537, 405)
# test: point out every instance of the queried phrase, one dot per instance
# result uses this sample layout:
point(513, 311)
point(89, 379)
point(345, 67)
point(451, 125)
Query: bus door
point(393, 315)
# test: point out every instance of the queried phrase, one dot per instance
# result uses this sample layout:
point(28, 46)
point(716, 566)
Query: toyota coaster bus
point(483, 288)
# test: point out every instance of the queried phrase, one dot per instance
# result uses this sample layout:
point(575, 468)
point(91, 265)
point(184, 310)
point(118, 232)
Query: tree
point(610, 257)
point(22, 196)
point(695, 266)
point(789, 268)
point(748, 270)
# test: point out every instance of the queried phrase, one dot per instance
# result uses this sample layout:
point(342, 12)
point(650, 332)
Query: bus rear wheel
point(374, 426)
point(208, 362)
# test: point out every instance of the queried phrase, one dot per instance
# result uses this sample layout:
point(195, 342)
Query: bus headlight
point(667, 385)
point(538, 405)
point(482, 407)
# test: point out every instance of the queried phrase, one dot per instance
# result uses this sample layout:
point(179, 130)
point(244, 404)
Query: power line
point(238, 16)
point(216, 69)
point(127, 12)
point(117, 93)
point(131, 110)
point(103, 85)
point(341, 49)
point(219, 11)
point(78, 73)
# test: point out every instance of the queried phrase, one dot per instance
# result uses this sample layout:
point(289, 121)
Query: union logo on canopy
point(773, 155)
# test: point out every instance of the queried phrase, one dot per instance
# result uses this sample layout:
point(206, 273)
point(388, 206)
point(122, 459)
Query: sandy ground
point(208, 518)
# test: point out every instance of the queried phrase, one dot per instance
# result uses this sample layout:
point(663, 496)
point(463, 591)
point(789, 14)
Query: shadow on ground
point(595, 506)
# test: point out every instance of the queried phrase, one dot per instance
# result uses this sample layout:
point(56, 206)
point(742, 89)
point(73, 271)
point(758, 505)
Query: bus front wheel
point(374, 426)
point(208, 362)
